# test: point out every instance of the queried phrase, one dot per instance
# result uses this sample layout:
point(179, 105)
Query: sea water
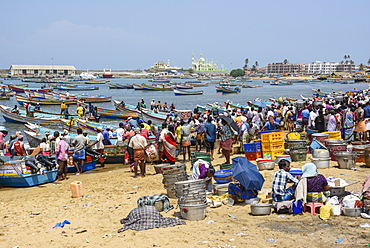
point(132, 96)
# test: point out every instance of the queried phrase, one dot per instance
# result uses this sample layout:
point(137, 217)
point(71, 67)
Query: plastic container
point(226, 166)
point(335, 148)
point(223, 176)
point(296, 173)
point(77, 189)
point(280, 157)
point(336, 209)
point(297, 207)
point(252, 156)
point(353, 212)
point(273, 146)
point(293, 136)
point(272, 137)
point(266, 165)
point(272, 154)
point(252, 147)
point(220, 186)
point(321, 163)
point(334, 134)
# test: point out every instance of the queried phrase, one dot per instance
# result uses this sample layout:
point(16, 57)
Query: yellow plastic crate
point(273, 146)
point(334, 134)
point(272, 137)
point(272, 154)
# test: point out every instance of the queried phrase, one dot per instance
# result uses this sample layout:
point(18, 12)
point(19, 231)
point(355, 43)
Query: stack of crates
point(252, 150)
point(194, 156)
point(272, 144)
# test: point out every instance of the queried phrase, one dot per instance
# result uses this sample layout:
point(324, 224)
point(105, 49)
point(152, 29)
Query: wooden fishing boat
point(88, 99)
point(156, 118)
point(236, 106)
point(198, 84)
point(218, 88)
point(137, 87)
point(92, 127)
point(183, 87)
point(320, 92)
point(96, 81)
point(88, 165)
point(14, 173)
point(69, 125)
point(187, 92)
point(21, 89)
point(127, 107)
point(6, 97)
point(228, 90)
point(193, 82)
point(112, 86)
point(159, 80)
point(56, 114)
point(156, 88)
point(38, 118)
point(77, 87)
point(251, 86)
point(115, 114)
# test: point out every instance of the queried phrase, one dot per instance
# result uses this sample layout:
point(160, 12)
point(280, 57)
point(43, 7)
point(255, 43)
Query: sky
point(127, 35)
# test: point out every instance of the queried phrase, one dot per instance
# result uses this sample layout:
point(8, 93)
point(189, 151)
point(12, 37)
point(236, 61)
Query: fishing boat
point(159, 80)
point(198, 84)
point(280, 82)
point(107, 73)
point(137, 87)
point(4, 97)
point(72, 87)
point(40, 119)
point(127, 107)
point(21, 89)
point(88, 99)
point(112, 86)
point(251, 86)
point(318, 91)
point(228, 90)
point(92, 127)
point(88, 165)
point(156, 88)
point(96, 81)
point(113, 113)
point(183, 87)
point(156, 118)
point(187, 92)
point(218, 88)
point(14, 173)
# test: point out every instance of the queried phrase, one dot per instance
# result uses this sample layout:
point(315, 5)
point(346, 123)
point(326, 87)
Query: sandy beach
point(29, 214)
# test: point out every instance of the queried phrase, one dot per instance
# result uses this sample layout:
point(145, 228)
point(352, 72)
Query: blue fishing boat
point(14, 173)
point(88, 165)
point(228, 90)
point(187, 92)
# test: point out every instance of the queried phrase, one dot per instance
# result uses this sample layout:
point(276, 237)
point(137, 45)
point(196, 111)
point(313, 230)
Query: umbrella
point(247, 174)
point(356, 91)
point(230, 121)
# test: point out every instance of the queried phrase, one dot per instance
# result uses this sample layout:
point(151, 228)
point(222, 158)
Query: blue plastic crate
point(252, 147)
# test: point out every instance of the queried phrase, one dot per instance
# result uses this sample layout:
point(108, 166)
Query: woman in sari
point(348, 124)
point(169, 145)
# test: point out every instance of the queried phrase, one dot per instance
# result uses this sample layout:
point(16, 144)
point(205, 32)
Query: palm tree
point(368, 62)
point(361, 67)
point(345, 57)
point(285, 61)
point(256, 63)
point(246, 61)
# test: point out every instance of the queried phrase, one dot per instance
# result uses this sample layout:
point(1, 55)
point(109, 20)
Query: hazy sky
point(136, 34)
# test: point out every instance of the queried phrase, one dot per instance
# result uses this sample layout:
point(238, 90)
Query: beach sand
point(29, 214)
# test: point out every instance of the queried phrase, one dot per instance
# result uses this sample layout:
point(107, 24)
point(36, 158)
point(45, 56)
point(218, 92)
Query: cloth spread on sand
point(147, 217)
point(150, 200)
point(285, 205)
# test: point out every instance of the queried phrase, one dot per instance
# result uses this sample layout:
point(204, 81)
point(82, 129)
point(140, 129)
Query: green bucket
point(298, 154)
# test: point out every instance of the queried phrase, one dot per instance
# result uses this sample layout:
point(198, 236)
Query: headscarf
point(309, 170)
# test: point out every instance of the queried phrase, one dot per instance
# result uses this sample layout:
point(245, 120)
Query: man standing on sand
point(210, 131)
point(138, 144)
point(79, 143)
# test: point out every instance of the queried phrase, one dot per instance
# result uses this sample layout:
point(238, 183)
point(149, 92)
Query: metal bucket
point(346, 160)
point(173, 168)
point(296, 144)
point(321, 163)
point(367, 156)
point(171, 191)
point(298, 154)
point(158, 168)
point(321, 153)
point(193, 212)
point(335, 148)
point(193, 202)
point(321, 137)
point(332, 141)
point(173, 178)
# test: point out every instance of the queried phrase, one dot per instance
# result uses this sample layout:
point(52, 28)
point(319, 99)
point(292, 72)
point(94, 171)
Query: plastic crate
point(272, 137)
point(252, 156)
point(272, 154)
point(252, 147)
point(273, 146)
point(226, 166)
point(271, 131)
point(334, 134)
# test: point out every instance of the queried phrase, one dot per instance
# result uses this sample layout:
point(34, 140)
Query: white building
point(202, 64)
point(42, 70)
point(319, 67)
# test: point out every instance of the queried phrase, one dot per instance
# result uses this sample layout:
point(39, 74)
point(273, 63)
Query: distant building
point(203, 65)
point(328, 67)
point(161, 66)
point(283, 68)
point(42, 70)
